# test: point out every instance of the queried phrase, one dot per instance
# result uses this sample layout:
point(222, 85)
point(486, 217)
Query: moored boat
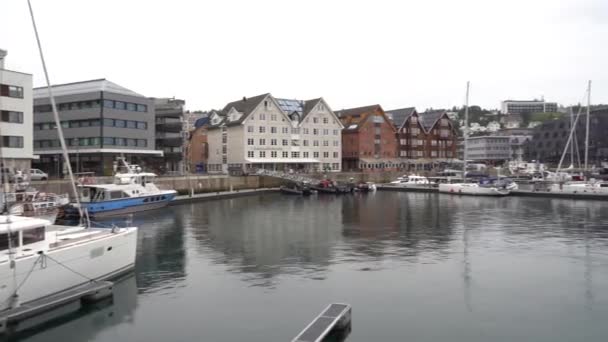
point(472, 189)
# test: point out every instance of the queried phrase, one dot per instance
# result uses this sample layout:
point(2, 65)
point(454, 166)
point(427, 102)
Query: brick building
point(411, 136)
point(198, 146)
point(368, 139)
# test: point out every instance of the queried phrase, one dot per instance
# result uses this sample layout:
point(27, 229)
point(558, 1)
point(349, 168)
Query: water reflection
point(86, 323)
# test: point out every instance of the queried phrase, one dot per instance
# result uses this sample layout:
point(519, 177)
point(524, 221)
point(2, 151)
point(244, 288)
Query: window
point(325, 120)
point(335, 154)
point(120, 123)
point(262, 116)
point(142, 108)
point(305, 130)
point(4, 241)
point(315, 143)
point(250, 154)
point(142, 125)
point(378, 119)
point(335, 132)
point(285, 154)
point(131, 124)
point(262, 142)
point(315, 120)
point(273, 154)
point(336, 143)
point(132, 107)
point(11, 117)
point(305, 154)
point(12, 141)
point(250, 129)
point(325, 154)
point(285, 130)
point(433, 142)
point(273, 117)
point(415, 131)
point(108, 103)
point(285, 142)
point(108, 141)
point(120, 105)
point(262, 129)
point(315, 154)
point(11, 91)
point(262, 154)
point(273, 129)
point(304, 142)
point(250, 141)
point(315, 131)
point(295, 154)
point(273, 142)
point(325, 131)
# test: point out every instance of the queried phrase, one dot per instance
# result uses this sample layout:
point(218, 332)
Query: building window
point(335, 132)
point(295, 154)
point(402, 141)
point(12, 141)
point(315, 143)
point(315, 120)
point(433, 142)
point(315, 154)
point(250, 141)
point(273, 130)
point(336, 143)
point(325, 154)
point(250, 154)
point(325, 131)
point(273, 117)
point(335, 154)
point(285, 130)
point(285, 142)
point(11, 91)
point(273, 154)
point(262, 142)
point(325, 120)
point(304, 142)
point(262, 129)
point(262, 116)
point(315, 131)
point(262, 154)
point(11, 117)
point(415, 131)
point(305, 130)
point(273, 142)
point(325, 142)
point(250, 129)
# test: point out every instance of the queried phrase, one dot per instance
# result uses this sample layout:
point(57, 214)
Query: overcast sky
point(352, 53)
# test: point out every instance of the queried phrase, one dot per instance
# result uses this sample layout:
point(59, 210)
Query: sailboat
point(586, 186)
point(38, 259)
point(465, 188)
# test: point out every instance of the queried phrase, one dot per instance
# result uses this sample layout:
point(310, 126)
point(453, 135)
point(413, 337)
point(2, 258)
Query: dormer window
point(266, 104)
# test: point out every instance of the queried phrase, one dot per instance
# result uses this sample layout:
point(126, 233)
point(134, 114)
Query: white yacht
point(38, 259)
point(412, 181)
point(580, 188)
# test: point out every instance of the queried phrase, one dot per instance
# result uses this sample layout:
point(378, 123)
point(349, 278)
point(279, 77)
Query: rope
point(71, 269)
point(24, 280)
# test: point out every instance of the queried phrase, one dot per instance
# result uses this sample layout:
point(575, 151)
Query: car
point(36, 174)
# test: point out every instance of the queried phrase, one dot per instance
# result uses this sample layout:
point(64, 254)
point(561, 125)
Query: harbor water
point(414, 267)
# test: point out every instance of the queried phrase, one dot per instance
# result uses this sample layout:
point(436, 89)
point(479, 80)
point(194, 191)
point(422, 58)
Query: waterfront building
point(274, 134)
point(16, 133)
point(441, 135)
point(368, 140)
point(171, 135)
point(527, 106)
point(411, 135)
point(550, 138)
point(198, 146)
point(492, 149)
point(101, 120)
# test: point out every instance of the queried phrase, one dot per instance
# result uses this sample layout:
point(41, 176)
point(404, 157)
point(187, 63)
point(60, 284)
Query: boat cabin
point(21, 235)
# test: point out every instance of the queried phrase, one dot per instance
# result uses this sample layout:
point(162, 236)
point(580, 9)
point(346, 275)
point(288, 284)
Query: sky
point(352, 53)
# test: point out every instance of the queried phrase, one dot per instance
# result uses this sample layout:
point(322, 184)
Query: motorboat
point(38, 259)
point(132, 191)
point(580, 188)
point(40, 205)
point(411, 181)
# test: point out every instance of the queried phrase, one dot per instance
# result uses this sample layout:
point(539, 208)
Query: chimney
point(3, 54)
point(244, 99)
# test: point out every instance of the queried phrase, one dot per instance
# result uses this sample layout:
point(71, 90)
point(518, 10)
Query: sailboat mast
point(465, 132)
point(587, 126)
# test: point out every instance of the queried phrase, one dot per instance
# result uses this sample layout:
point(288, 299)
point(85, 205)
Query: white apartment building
point(16, 119)
point(527, 106)
point(275, 134)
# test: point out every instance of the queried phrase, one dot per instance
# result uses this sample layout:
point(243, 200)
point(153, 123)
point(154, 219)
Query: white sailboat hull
point(581, 188)
point(67, 265)
point(471, 189)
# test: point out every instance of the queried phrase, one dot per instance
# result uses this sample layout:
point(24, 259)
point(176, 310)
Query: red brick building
point(198, 149)
point(411, 135)
point(368, 139)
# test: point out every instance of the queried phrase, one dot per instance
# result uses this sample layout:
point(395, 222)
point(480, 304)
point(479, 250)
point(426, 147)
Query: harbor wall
point(215, 183)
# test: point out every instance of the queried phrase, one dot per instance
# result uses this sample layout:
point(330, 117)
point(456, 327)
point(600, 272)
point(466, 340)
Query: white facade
point(16, 118)
point(533, 106)
point(269, 137)
point(497, 147)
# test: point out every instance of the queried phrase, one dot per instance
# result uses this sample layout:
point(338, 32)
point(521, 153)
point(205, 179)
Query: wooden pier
point(334, 320)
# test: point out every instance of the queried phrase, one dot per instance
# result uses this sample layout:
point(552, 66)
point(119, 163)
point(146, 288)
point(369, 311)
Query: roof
point(290, 106)
point(429, 118)
point(309, 105)
point(400, 115)
point(16, 223)
point(84, 87)
point(353, 117)
point(245, 106)
point(201, 122)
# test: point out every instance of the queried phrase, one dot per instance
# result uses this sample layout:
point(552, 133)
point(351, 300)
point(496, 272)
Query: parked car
point(36, 174)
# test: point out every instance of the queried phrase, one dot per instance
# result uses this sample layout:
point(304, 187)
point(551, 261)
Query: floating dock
point(220, 195)
point(83, 294)
point(408, 189)
point(335, 320)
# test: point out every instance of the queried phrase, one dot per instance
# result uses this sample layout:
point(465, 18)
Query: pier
point(335, 321)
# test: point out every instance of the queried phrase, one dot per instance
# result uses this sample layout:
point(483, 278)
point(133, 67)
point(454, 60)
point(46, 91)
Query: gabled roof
point(202, 121)
point(429, 118)
point(245, 106)
point(309, 105)
point(401, 115)
point(353, 118)
point(84, 87)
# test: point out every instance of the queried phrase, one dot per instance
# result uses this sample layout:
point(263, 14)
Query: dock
point(83, 294)
point(334, 321)
point(388, 187)
point(209, 196)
